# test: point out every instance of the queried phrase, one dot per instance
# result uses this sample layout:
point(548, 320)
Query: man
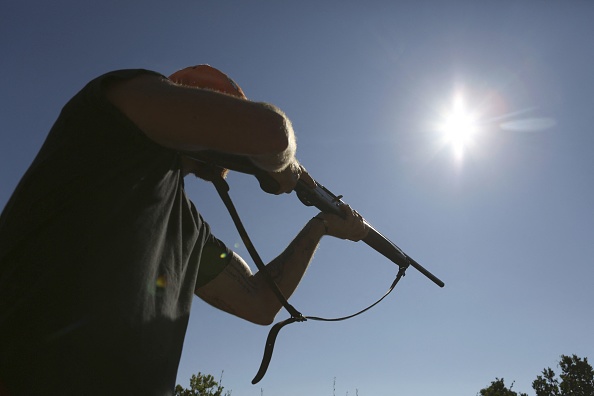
point(101, 251)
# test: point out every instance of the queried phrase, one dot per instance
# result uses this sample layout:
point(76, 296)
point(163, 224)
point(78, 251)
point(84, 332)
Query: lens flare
point(528, 125)
point(161, 281)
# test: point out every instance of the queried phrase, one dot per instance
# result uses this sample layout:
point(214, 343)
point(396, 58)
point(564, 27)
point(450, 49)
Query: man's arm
point(237, 291)
point(191, 119)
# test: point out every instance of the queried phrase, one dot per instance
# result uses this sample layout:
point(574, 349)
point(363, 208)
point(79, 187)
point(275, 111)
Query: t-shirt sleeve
point(90, 119)
point(215, 257)
point(97, 86)
point(93, 96)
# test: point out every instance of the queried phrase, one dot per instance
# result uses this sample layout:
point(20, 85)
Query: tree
point(202, 385)
point(546, 384)
point(577, 379)
point(498, 388)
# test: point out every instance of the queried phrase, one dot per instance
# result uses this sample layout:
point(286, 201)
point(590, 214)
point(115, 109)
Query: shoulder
point(95, 94)
point(101, 84)
point(125, 75)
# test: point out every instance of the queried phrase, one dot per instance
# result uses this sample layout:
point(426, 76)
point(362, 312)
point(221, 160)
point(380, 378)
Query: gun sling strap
point(296, 316)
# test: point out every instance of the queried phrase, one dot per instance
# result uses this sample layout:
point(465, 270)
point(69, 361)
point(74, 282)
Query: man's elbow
point(263, 321)
point(277, 148)
point(263, 312)
point(280, 137)
point(263, 317)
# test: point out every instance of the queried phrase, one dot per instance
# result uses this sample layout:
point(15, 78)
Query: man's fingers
point(289, 177)
point(306, 177)
point(356, 223)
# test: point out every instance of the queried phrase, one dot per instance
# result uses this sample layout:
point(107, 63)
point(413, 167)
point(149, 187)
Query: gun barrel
point(388, 249)
point(324, 200)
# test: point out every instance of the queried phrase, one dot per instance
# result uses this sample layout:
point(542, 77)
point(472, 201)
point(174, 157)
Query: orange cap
point(205, 76)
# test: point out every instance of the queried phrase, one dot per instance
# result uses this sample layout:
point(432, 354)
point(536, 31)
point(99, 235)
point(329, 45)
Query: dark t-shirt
point(100, 254)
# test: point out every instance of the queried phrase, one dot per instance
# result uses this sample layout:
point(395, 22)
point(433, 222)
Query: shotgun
point(320, 197)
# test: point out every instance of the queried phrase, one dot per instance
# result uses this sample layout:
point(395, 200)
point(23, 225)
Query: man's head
point(205, 77)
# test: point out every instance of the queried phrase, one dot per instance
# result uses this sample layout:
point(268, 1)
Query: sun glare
point(458, 127)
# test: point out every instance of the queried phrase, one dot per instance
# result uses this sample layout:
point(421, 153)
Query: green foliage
point(498, 388)
point(577, 379)
point(202, 385)
point(546, 384)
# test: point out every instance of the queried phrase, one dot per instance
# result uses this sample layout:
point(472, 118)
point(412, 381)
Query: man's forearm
point(249, 296)
point(288, 268)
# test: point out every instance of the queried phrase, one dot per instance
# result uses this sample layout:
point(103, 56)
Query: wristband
point(323, 221)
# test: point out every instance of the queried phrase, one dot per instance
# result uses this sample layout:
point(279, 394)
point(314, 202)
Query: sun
point(458, 127)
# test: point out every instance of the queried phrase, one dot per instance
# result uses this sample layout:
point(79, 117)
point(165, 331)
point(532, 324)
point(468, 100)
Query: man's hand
point(288, 177)
point(351, 227)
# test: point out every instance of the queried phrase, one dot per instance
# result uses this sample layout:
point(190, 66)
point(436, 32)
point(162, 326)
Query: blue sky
point(508, 226)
